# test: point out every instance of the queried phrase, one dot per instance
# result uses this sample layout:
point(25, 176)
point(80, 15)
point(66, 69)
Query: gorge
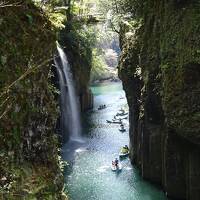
point(50, 95)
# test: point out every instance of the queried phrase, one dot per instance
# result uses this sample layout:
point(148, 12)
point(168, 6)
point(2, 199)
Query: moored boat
point(121, 155)
point(124, 151)
point(122, 114)
point(101, 107)
point(114, 122)
point(122, 130)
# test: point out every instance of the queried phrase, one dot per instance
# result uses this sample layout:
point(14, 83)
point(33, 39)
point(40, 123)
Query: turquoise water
point(89, 176)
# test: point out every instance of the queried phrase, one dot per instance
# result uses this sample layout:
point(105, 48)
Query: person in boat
point(113, 163)
point(125, 149)
point(122, 127)
point(116, 162)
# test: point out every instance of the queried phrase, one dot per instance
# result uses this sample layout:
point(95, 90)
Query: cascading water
point(69, 103)
point(108, 19)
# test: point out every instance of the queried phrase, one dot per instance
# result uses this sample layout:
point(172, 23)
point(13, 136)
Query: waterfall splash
point(69, 102)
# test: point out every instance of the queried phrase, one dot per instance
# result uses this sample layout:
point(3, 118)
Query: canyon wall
point(160, 70)
point(29, 162)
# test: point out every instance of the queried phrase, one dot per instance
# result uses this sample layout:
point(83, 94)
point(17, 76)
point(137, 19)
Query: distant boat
point(101, 107)
point(113, 122)
point(119, 118)
point(122, 129)
point(122, 114)
point(121, 155)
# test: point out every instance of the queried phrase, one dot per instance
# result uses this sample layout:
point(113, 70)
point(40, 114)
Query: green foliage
point(57, 19)
point(122, 10)
point(98, 66)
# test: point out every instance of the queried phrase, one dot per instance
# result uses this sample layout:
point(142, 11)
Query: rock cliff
point(160, 70)
point(29, 164)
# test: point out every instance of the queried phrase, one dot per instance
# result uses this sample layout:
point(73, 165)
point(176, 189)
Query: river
point(88, 175)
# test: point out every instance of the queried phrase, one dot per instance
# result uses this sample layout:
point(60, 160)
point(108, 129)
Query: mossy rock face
point(180, 68)
point(130, 74)
point(27, 41)
point(165, 132)
point(28, 110)
point(168, 49)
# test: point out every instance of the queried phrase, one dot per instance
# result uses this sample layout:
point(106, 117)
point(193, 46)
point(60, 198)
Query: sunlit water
point(89, 176)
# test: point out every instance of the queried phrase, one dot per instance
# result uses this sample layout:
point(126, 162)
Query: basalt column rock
point(193, 175)
point(86, 100)
point(175, 164)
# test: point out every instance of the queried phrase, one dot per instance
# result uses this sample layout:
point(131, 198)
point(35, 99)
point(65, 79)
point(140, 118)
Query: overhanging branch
point(7, 4)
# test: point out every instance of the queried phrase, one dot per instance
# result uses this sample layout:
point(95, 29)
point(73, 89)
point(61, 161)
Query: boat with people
point(101, 107)
point(113, 122)
point(116, 165)
point(122, 113)
point(122, 129)
point(119, 118)
point(124, 152)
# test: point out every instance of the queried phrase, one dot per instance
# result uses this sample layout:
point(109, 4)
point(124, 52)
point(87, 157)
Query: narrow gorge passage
point(61, 61)
point(89, 175)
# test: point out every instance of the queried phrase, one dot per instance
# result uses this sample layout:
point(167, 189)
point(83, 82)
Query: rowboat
point(118, 168)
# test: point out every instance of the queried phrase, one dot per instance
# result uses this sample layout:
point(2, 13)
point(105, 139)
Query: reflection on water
point(89, 176)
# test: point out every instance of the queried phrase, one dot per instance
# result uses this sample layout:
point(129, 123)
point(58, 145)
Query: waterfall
point(69, 102)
